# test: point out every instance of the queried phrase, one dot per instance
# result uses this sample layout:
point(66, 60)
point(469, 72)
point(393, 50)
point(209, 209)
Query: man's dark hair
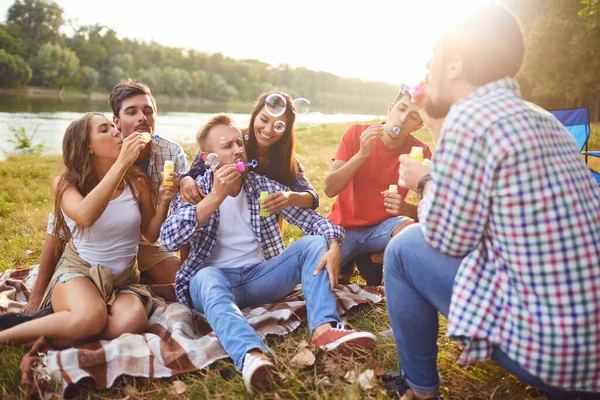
point(490, 44)
point(125, 89)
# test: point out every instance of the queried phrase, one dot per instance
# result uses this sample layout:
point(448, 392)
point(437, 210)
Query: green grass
point(25, 200)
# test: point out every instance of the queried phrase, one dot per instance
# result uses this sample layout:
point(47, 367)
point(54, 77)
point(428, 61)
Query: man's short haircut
point(401, 95)
point(490, 44)
point(125, 89)
point(204, 131)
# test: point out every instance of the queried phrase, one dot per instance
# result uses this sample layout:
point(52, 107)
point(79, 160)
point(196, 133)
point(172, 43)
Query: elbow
point(328, 189)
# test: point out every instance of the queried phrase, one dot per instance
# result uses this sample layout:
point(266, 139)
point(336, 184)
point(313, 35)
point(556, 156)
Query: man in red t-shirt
point(364, 166)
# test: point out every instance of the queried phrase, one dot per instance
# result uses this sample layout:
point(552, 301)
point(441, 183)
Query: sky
point(377, 40)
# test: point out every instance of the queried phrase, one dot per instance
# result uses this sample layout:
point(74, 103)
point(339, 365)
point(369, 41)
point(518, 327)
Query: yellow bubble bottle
point(167, 169)
point(416, 153)
point(393, 189)
point(263, 213)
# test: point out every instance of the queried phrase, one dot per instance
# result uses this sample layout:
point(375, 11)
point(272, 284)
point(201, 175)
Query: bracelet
point(421, 185)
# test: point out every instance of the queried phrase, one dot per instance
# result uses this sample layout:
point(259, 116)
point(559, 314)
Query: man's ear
point(117, 122)
point(455, 68)
point(389, 110)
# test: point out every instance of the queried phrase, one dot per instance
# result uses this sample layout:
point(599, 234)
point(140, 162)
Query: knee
point(88, 322)
point(133, 321)
point(406, 242)
point(207, 283)
point(313, 243)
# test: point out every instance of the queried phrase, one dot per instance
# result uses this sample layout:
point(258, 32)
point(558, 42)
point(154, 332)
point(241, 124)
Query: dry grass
point(25, 200)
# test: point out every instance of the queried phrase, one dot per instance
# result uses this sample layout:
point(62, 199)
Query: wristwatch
point(421, 185)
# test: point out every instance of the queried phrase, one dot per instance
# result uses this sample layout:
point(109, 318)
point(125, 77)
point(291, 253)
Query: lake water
point(52, 118)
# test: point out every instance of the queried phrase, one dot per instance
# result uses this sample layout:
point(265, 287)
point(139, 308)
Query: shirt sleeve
point(197, 168)
point(180, 225)
point(454, 213)
point(301, 184)
point(347, 148)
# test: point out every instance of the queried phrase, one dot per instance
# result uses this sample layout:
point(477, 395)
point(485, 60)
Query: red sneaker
point(342, 339)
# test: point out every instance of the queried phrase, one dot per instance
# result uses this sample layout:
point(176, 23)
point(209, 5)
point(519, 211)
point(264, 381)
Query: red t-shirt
point(360, 204)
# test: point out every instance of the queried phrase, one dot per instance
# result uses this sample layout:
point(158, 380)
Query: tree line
point(561, 69)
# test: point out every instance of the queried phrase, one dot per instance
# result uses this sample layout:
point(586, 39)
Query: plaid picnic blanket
point(176, 340)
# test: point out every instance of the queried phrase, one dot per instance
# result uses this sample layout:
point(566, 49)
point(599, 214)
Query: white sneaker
point(255, 371)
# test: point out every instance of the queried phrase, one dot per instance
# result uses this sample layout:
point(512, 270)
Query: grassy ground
point(25, 201)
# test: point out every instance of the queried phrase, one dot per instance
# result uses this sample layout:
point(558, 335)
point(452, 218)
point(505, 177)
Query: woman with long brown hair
point(103, 203)
point(270, 140)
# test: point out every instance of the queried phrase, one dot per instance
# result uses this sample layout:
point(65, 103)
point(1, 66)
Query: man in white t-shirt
point(237, 258)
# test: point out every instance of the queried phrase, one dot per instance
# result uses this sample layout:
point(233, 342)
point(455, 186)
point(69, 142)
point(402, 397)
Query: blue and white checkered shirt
point(182, 227)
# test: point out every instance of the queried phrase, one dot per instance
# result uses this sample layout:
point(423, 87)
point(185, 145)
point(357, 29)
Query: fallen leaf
point(303, 345)
point(351, 376)
point(332, 367)
point(303, 359)
point(373, 364)
point(365, 380)
point(177, 387)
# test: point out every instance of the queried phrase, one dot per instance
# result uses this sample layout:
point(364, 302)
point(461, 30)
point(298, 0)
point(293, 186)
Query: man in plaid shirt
point(237, 258)
point(508, 242)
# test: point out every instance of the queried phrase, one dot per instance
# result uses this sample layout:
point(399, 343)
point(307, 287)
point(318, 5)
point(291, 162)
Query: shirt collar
point(504, 84)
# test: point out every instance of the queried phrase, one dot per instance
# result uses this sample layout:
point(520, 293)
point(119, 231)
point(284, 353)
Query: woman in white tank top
point(106, 204)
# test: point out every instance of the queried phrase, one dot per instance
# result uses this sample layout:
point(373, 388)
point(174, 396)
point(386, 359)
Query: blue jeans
point(220, 293)
point(363, 242)
point(418, 283)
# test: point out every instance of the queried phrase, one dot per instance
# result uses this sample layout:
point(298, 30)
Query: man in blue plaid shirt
point(507, 245)
point(237, 258)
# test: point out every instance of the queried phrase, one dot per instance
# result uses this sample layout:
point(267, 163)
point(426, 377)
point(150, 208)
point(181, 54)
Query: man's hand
point(331, 262)
point(226, 180)
point(190, 191)
point(276, 202)
point(33, 304)
point(369, 138)
point(412, 171)
point(393, 203)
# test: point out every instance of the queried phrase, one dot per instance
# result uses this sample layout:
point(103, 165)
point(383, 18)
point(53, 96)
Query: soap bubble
point(275, 104)
point(279, 126)
point(246, 137)
point(396, 129)
point(212, 161)
point(222, 180)
point(316, 118)
point(222, 140)
point(301, 105)
point(241, 150)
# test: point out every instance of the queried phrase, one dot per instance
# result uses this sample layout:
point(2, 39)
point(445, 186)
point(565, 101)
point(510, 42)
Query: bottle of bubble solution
point(393, 189)
point(416, 153)
point(167, 169)
point(263, 213)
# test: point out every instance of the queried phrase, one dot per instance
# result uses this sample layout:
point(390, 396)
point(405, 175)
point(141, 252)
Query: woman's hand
point(276, 202)
point(167, 192)
point(130, 150)
point(190, 191)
